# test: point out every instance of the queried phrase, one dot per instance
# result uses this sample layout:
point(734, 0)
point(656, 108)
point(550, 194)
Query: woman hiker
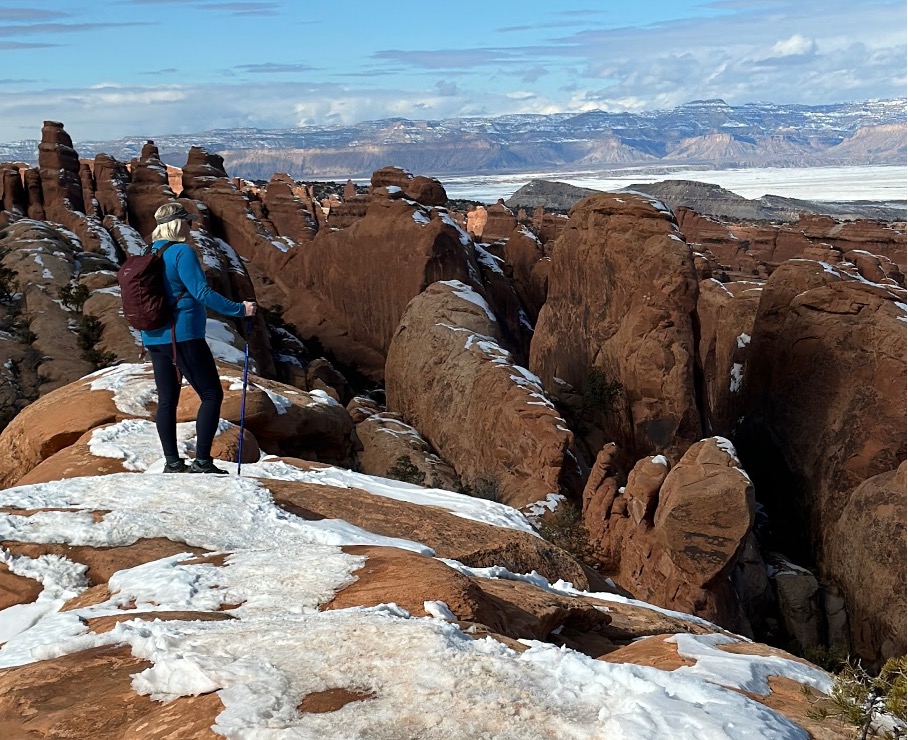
point(188, 291)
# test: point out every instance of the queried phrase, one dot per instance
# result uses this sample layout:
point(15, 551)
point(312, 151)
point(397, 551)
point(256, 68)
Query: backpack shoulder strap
point(163, 249)
point(150, 248)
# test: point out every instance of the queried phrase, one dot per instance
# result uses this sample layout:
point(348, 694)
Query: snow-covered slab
point(466, 507)
point(423, 676)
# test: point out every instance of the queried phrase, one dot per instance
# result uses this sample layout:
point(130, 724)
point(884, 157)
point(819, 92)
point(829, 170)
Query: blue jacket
point(182, 268)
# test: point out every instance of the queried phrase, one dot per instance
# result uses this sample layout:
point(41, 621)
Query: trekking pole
point(239, 454)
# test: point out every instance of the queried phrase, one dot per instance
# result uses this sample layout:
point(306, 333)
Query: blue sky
point(146, 67)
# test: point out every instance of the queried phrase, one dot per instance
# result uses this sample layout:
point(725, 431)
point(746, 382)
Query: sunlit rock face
point(447, 375)
point(877, 249)
point(675, 535)
point(424, 190)
point(352, 286)
point(621, 294)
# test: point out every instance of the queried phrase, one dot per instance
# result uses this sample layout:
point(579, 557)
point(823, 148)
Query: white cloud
point(829, 51)
point(796, 45)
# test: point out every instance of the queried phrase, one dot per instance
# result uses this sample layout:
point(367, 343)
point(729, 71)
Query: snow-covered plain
point(877, 183)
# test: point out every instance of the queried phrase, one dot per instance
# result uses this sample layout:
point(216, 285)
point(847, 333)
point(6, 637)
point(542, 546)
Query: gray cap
point(173, 212)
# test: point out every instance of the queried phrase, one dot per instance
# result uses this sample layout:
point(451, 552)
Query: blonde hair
point(168, 232)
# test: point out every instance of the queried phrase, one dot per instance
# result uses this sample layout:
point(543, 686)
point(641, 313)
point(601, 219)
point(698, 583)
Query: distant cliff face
point(706, 132)
point(708, 200)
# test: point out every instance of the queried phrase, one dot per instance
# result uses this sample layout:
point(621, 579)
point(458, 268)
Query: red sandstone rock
point(873, 524)
point(387, 440)
point(472, 543)
point(58, 164)
point(147, 190)
point(621, 292)
point(476, 221)
point(340, 296)
point(226, 446)
point(12, 190)
point(499, 222)
point(523, 252)
point(787, 697)
point(88, 189)
point(292, 216)
point(760, 249)
point(826, 383)
point(50, 424)
point(424, 190)
point(111, 182)
point(674, 539)
point(725, 312)
point(448, 376)
point(32, 182)
point(49, 699)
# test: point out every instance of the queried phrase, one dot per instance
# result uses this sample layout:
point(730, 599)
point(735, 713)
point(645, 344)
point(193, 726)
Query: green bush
point(73, 296)
point(404, 470)
point(99, 358)
point(829, 659)
point(487, 488)
point(90, 331)
point(565, 529)
point(858, 698)
point(89, 334)
point(22, 331)
point(600, 393)
point(8, 284)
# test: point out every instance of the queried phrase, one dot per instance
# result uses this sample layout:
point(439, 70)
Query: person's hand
point(250, 308)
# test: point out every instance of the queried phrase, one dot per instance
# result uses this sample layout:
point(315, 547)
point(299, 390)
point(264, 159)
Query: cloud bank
point(566, 59)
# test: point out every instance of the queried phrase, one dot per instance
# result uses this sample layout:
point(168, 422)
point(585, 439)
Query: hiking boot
point(205, 466)
point(176, 467)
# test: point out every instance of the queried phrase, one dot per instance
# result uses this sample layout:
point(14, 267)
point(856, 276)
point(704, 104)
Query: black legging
point(197, 365)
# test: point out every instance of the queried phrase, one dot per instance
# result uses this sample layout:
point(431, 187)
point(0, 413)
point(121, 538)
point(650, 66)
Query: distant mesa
point(556, 196)
point(706, 199)
point(706, 133)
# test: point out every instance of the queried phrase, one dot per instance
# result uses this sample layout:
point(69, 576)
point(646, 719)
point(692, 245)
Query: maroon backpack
point(141, 280)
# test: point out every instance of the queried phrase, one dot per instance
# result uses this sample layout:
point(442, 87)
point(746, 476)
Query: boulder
point(226, 445)
point(674, 537)
point(866, 552)
point(798, 595)
point(445, 366)
point(58, 419)
point(73, 461)
point(283, 419)
point(391, 448)
point(424, 190)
